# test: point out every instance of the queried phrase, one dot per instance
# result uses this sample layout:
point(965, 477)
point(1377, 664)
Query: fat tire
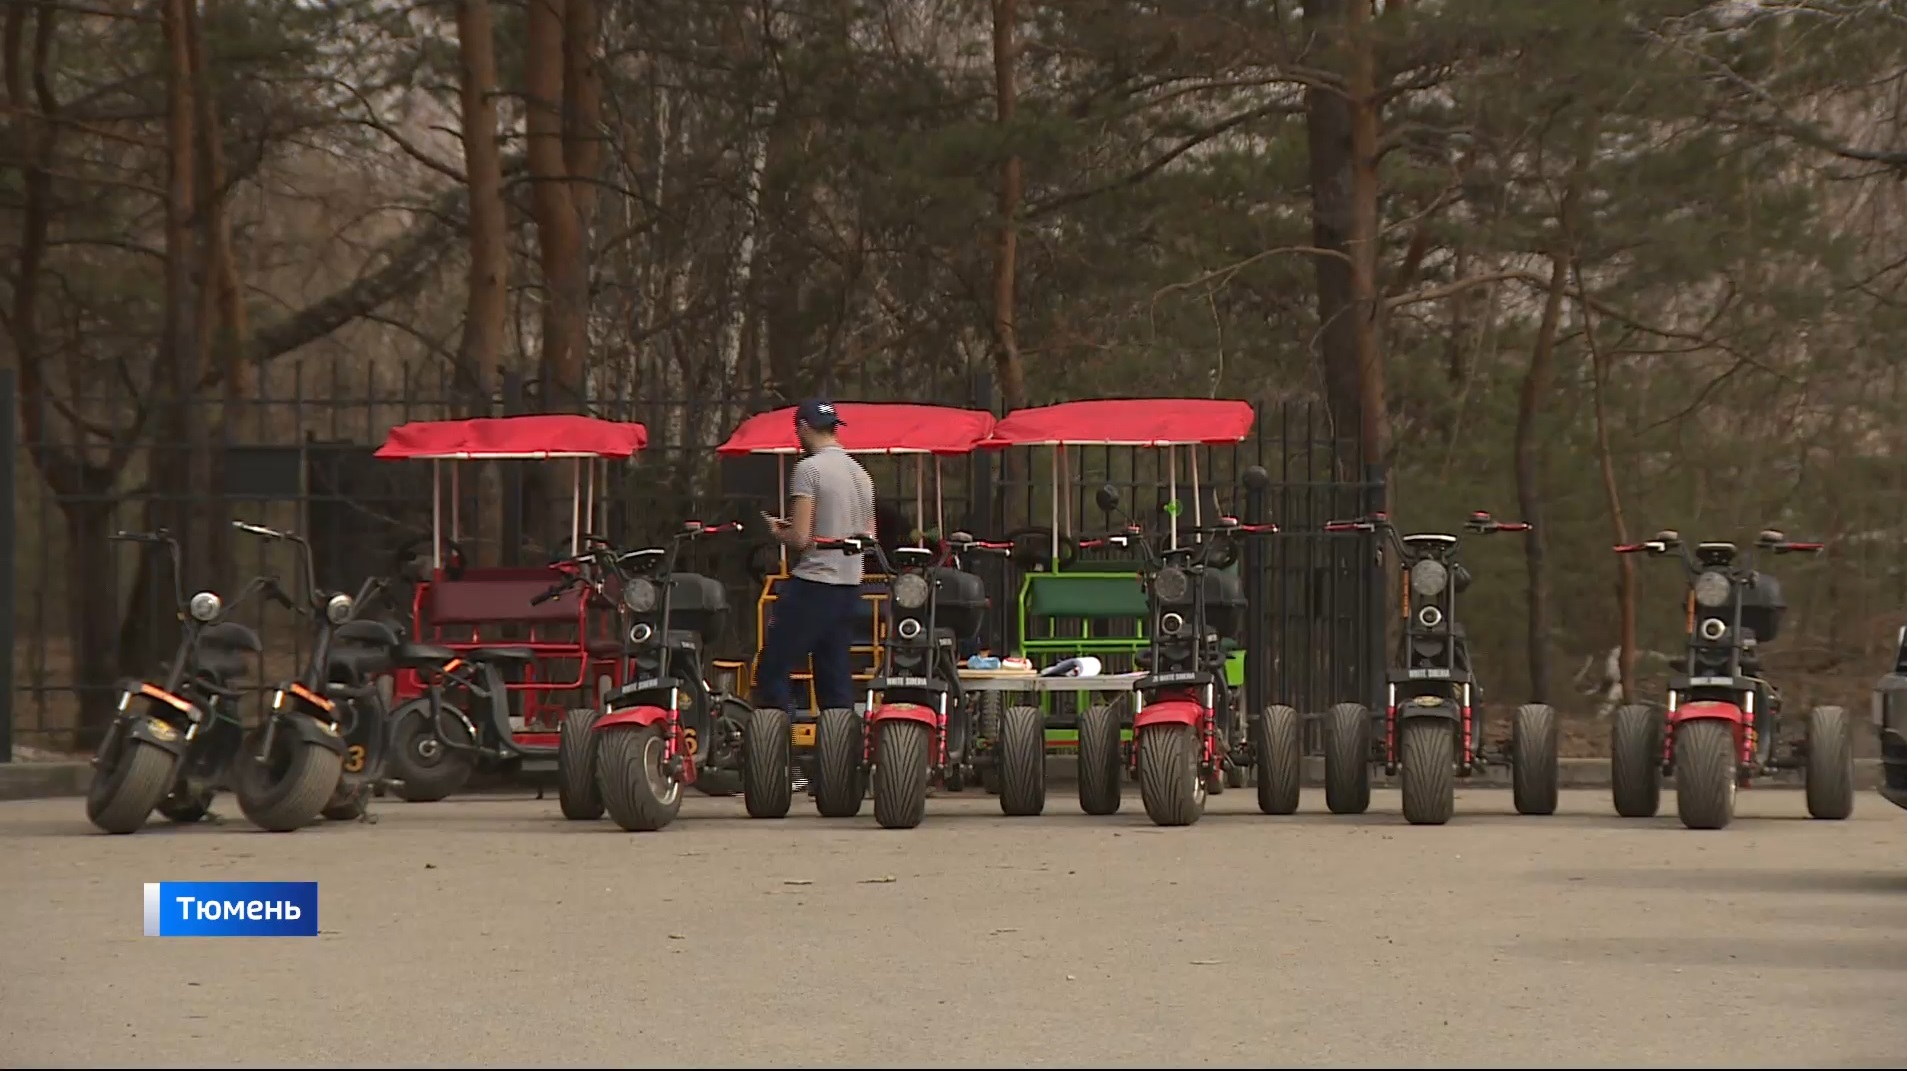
point(767, 787)
point(294, 800)
point(1099, 766)
point(622, 774)
point(1022, 762)
point(1533, 769)
point(1427, 750)
point(840, 778)
point(577, 791)
point(121, 801)
point(1830, 769)
point(1347, 759)
point(900, 772)
point(1278, 755)
point(1705, 773)
point(419, 783)
point(1635, 761)
point(1171, 785)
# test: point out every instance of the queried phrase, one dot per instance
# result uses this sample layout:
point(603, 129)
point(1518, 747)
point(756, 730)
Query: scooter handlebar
point(258, 530)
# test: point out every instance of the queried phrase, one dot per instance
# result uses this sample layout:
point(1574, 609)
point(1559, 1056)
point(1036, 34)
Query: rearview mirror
point(1667, 537)
point(1257, 478)
point(1107, 497)
point(960, 537)
point(1769, 537)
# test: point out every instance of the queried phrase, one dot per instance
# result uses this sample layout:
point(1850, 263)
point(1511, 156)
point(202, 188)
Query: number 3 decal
point(354, 759)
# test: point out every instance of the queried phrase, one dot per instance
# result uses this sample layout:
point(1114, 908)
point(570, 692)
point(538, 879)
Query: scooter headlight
point(910, 591)
point(1712, 589)
point(908, 629)
point(1428, 578)
point(1430, 617)
point(1171, 625)
point(639, 595)
point(338, 610)
point(1171, 584)
point(205, 606)
point(1713, 629)
point(641, 632)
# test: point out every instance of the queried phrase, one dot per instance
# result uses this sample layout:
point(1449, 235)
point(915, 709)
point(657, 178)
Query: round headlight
point(640, 632)
point(909, 628)
point(205, 606)
point(1712, 589)
point(1171, 584)
point(1171, 624)
point(338, 610)
point(639, 595)
point(1713, 628)
point(1428, 578)
point(910, 591)
point(1430, 617)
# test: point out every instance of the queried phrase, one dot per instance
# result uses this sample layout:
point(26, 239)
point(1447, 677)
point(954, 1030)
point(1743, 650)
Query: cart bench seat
point(498, 597)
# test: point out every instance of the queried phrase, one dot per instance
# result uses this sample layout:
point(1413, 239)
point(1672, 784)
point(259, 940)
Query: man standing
point(817, 609)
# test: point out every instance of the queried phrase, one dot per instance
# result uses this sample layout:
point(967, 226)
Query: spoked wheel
point(425, 766)
point(1171, 785)
point(1705, 773)
point(992, 709)
point(284, 788)
point(1022, 754)
point(840, 777)
point(767, 784)
point(1347, 759)
point(185, 806)
point(348, 802)
point(632, 771)
point(1278, 754)
point(124, 792)
point(1533, 777)
point(1099, 765)
point(900, 772)
point(1830, 772)
point(1428, 753)
point(1635, 761)
point(577, 792)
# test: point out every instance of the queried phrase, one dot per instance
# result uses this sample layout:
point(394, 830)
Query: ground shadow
point(1740, 879)
point(1733, 953)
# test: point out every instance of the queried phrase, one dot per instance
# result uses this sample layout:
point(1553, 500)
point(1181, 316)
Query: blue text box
point(231, 909)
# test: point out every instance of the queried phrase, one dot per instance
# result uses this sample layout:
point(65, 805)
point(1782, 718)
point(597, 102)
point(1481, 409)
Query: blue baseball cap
point(818, 415)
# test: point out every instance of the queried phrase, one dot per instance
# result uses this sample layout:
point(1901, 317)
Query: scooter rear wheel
point(1171, 785)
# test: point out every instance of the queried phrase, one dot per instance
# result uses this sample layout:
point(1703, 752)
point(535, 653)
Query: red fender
point(630, 716)
point(1169, 712)
point(926, 715)
point(1707, 710)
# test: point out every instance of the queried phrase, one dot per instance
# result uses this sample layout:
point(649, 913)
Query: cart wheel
point(1705, 780)
point(1428, 754)
point(900, 773)
point(841, 779)
point(348, 803)
point(1635, 761)
point(1279, 758)
point(186, 809)
point(631, 770)
point(1237, 776)
point(287, 788)
point(1533, 759)
point(425, 767)
point(576, 789)
point(1347, 759)
point(1170, 783)
point(1830, 772)
point(123, 794)
point(1099, 772)
point(767, 789)
point(1022, 752)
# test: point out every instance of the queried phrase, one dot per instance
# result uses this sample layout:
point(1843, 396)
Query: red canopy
point(1127, 422)
point(870, 428)
point(536, 437)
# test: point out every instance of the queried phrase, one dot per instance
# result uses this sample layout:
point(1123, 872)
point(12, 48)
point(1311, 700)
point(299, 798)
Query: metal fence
point(82, 612)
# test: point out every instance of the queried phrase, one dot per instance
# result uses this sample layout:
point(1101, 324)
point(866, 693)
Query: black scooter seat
point(501, 654)
point(422, 655)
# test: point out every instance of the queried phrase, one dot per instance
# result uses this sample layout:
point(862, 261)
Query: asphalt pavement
point(490, 932)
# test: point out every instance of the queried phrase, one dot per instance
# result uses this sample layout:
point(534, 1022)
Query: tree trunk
point(1612, 493)
point(558, 228)
point(582, 109)
point(486, 308)
point(221, 312)
point(1006, 340)
point(1342, 131)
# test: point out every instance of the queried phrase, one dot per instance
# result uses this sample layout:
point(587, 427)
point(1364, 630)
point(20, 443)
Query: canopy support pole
point(436, 514)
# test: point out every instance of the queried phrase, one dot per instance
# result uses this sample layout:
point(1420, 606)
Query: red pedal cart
point(540, 660)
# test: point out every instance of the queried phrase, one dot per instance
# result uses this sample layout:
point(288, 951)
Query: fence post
point(1377, 624)
point(1258, 597)
point(9, 408)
